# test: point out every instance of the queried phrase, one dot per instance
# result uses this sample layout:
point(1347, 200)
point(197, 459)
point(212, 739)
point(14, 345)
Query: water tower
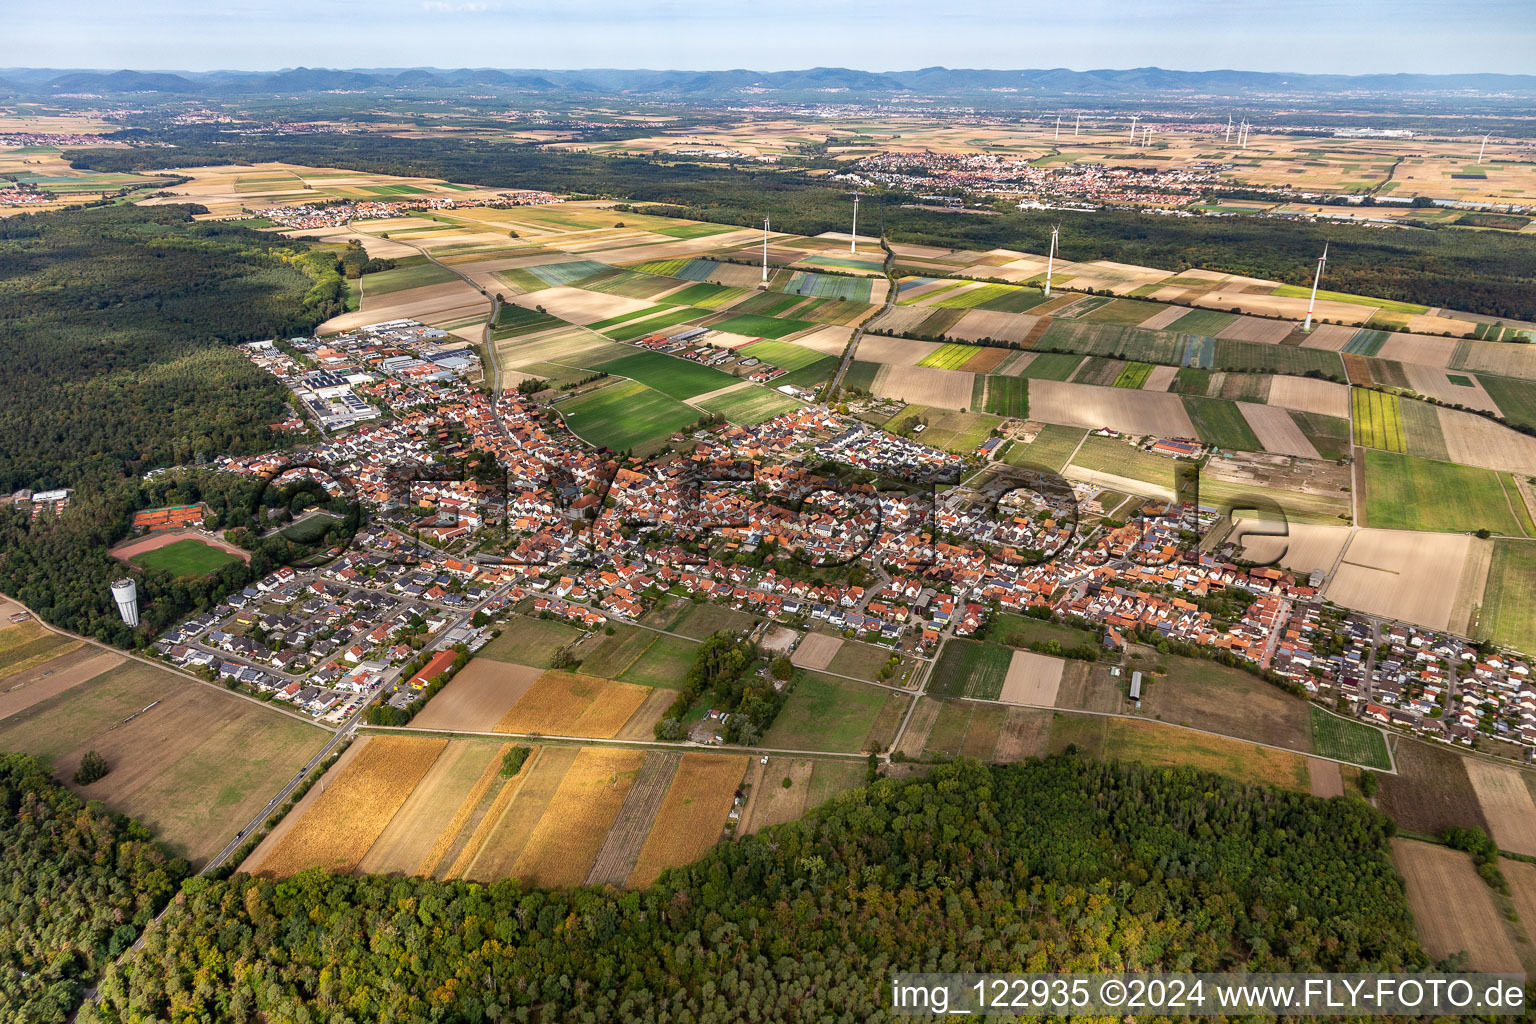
point(126, 594)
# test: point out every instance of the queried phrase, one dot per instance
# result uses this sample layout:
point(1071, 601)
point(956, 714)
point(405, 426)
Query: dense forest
point(115, 328)
point(1481, 272)
point(81, 883)
point(1064, 864)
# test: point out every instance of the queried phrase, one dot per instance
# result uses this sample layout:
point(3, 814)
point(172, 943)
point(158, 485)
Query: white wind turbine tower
point(765, 250)
point(1050, 261)
point(1077, 126)
point(1134, 119)
point(853, 240)
point(1228, 137)
point(1312, 303)
point(1058, 127)
point(1481, 148)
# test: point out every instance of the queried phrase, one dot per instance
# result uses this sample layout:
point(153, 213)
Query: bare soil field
point(1304, 546)
point(691, 816)
point(438, 303)
point(407, 842)
point(829, 341)
point(1025, 733)
point(1401, 575)
point(1431, 790)
point(1436, 383)
point(1497, 357)
point(1226, 297)
point(1276, 430)
point(900, 319)
point(1307, 395)
point(1330, 337)
point(154, 541)
point(892, 351)
point(1163, 317)
point(564, 844)
point(52, 677)
point(626, 836)
point(1474, 441)
point(1506, 803)
point(1470, 589)
point(1160, 379)
point(1452, 907)
point(478, 697)
point(918, 726)
point(1253, 329)
point(1327, 781)
point(734, 275)
point(578, 305)
point(924, 385)
point(816, 651)
point(994, 324)
point(1122, 409)
point(771, 802)
point(1412, 348)
point(568, 704)
point(1522, 890)
point(355, 807)
point(1032, 679)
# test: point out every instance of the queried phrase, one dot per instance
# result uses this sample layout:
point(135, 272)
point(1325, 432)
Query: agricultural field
point(1032, 679)
point(1378, 421)
point(1505, 797)
point(675, 316)
point(1405, 493)
point(1453, 908)
point(188, 557)
point(1221, 423)
point(627, 415)
point(1508, 612)
point(192, 761)
point(1154, 744)
point(1348, 739)
point(530, 641)
point(949, 356)
point(419, 275)
point(1396, 574)
point(571, 704)
point(1109, 456)
point(1133, 376)
point(786, 354)
point(1431, 790)
point(513, 321)
point(759, 326)
point(697, 620)
point(1051, 448)
point(965, 729)
point(1052, 366)
point(1007, 396)
point(828, 713)
point(691, 816)
point(970, 668)
point(1202, 694)
point(28, 644)
point(675, 378)
point(478, 697)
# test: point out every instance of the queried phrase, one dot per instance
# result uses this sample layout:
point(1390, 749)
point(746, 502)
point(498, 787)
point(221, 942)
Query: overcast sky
point(1337, 36)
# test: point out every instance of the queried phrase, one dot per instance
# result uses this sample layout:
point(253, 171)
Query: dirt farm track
point(151, 542)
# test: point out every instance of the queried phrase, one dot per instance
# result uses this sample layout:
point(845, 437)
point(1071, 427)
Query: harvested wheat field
point(1122, 409)
point(568, 704)
point(1498, 357)
point(452, 300)
point(829, 341)
point(1302, 548)
point(1474, 441)
point(1276, 430)
point(1401, 575)
point(427, 819)
point(1330, 337)
point(1437, 384)
point(1307, 395)
point(564, 844)
point(355, 807)
point(924, 385)
point(691, 816)
point(1032, 679)
point(1506, 803)
point(900, 319)
point(478, 697)
point(502, 832)
point(33, 685)
point(893, 351)
point(1453, 907)
point(1412, 348)
point(1521, 876)
point(1325, 778)
point(1163, 318)
point(816, 651)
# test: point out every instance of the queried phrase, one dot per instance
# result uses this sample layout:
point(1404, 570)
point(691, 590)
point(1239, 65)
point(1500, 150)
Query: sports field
point(1349, 740)
point(189, 557)
point(1378, 421)
point(753, 325)
point(1508, 614)
point(626, 415)
point(1405, 493)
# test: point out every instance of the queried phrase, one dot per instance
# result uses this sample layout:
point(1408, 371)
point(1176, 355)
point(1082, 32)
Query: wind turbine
point(853, 240)
point(1228, 137)
point(1077, 126)
point(1058, 127)
point(1481, 148)
point(1133, 128)
point(765, 250)
point(1312, 303)
point(1050, 261)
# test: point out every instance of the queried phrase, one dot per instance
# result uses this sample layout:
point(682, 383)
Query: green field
point(826, 713)
point(1052, 366)
point(1405, 493)
point(673, 377)
point(1328, 434)
point(811, 375)
point(1258, 357)
point(1050, 449)
point(626, 415)
point(751, 404)
point(861, 375)
point(515, 321)
point(970, 668)
point(692, 230)
point(781, 353)
point(1203, 321)
point(1378, 420)
point(989, 294)
point(949, 357)
point(1013, 299)
point(624, 318)
point(1516, 399)
point(1127, 312)
point(1221, 423)
point(1108, 455)
point(401, 278)
point(189, 557)
point(698, 620)
point(1508, 612)
point(654, 325)
point(1133, 376)
point(1024, 631)
point(706, 295)
point(663, 663)
point(757, 326)
point(1007, 396)
point(1299, 291)
point(529, 641)
point(1349, 740)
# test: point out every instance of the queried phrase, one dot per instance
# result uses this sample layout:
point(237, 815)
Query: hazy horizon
point(1278, 36)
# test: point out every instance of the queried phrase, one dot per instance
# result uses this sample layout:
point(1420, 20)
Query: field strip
point(616, 859)
point(565, 842)
point(36, 683)
point(915, 738)
point(692, 814)
point(1032, 679)
point(556, 742)
point(426, 812)
point(1507, 805)
point(1452, 907)
point(517, 809)
point(434, 857)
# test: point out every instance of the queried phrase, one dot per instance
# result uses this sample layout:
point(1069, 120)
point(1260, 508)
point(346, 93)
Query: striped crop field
point(949, 357)
point(1378, 421)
